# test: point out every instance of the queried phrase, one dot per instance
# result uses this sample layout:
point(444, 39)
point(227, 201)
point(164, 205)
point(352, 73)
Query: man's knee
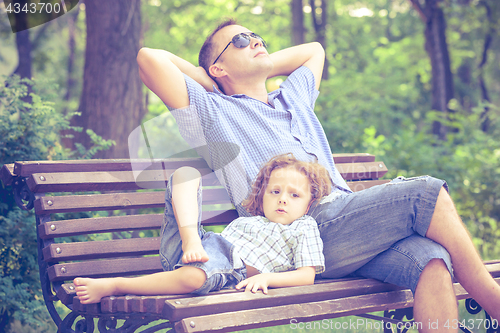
point(444, 202)
point(436, 273)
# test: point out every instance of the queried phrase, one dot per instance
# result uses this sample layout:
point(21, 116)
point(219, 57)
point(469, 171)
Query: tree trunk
point(23, 42)
point(488, 40)
point(320, 28)
point(298, 30)
point(111, 103)
point(437, 49)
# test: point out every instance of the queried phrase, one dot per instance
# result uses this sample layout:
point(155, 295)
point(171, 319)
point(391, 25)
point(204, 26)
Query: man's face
point(240, 62)
point(287, 197)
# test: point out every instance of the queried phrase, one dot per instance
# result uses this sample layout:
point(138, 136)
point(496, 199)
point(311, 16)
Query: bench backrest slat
point(155, 179)
point(114, 201)
point(101, 249)
point(105, 268)
point(67, 228)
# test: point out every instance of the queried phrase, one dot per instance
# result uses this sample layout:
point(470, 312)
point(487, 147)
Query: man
point(403, 232)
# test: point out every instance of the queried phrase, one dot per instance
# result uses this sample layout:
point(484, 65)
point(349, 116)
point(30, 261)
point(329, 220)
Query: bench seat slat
point(175, 307)
point(7, 174)
point(282, 315)
point(332, 289)
point(114, 201)
point(101, 249)
point(302, 312)
point(105, 268)
point(239, 300)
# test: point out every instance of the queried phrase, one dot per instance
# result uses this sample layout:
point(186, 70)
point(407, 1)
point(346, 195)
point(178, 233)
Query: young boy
point(278, 247)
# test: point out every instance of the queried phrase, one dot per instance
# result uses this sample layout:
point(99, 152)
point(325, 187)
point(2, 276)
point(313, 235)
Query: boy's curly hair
point(319, 179)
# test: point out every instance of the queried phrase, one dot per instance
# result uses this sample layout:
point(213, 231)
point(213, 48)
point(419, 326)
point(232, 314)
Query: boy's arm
point(311, 55)
point(300, 277)
point(161, 71)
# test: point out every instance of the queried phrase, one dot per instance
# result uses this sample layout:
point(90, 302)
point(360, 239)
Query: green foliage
point(467, 160)
point(30, 130)
point(20, 290)
point(28, 124)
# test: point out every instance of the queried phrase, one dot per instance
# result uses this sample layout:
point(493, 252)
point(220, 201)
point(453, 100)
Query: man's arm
point(161, 71)
point(300, 277)
point(311, 55)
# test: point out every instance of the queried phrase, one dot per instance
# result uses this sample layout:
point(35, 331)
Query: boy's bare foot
point(92, 290)
point(194, 252)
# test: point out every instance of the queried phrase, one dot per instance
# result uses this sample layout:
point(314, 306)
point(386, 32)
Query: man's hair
point(206, 55)
point(318, 176)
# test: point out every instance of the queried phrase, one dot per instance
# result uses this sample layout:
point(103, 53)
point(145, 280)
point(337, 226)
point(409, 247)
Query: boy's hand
point(300, 277)
point(256, 282)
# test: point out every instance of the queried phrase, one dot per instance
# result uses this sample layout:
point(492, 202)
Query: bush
point(30, 129)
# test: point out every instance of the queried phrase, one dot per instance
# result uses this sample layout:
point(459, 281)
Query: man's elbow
point(142, 55)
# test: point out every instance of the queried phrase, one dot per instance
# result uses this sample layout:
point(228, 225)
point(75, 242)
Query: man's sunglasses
point(242, 40)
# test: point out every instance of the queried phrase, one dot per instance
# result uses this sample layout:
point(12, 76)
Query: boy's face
point(287, 197)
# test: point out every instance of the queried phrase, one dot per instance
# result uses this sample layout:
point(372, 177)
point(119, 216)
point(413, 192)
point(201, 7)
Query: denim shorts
point(224, 269)
point(380, 232)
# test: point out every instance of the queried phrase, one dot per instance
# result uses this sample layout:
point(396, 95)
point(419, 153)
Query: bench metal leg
point(109, 323)
point(491, 325)
point(393, 320)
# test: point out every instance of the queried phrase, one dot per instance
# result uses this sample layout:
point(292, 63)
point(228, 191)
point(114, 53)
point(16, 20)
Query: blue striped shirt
point(242, 133)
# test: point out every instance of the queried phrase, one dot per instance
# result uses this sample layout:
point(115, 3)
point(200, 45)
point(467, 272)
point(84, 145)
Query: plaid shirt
point(273, 247)
point(237, 134)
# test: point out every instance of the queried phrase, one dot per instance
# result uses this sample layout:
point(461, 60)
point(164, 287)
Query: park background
point(414, 82)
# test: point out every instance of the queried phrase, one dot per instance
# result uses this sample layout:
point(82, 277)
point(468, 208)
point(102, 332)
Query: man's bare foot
point(194, 252)
point(92, 290)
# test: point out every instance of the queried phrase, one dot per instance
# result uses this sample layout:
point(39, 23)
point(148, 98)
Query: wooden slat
point(101, 249)
point(177, 304)
point(357, 186)
point(311, 311)
point(353, 158)
point(29, 167)
point(105, 268)
point(107, 181)
point(155, 179)
point(7, 174)
point(66, 228)
point(361, 171)
point(190, 307)
point(26, 168)
point(196, 306)
point(281, 315)
point(114, 201)
point(324, 290)
point(66, 293)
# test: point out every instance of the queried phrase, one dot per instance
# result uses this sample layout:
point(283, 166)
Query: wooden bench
point(101, 218)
